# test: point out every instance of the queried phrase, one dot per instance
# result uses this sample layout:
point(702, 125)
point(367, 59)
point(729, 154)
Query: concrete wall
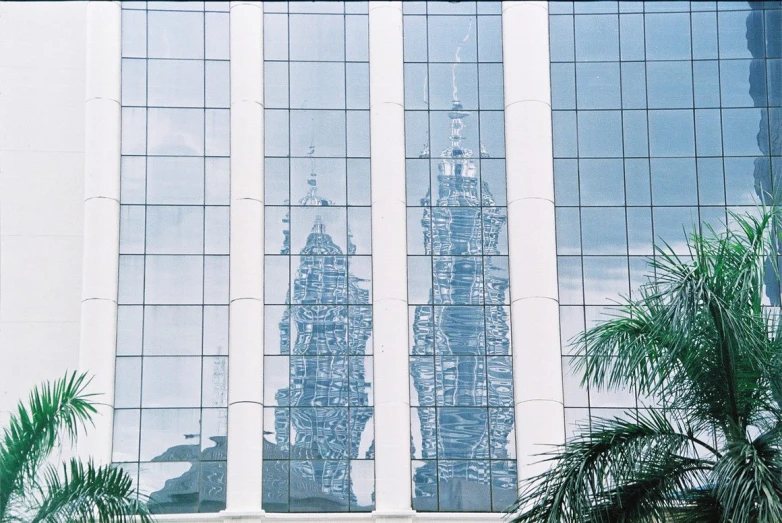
point(42, 75)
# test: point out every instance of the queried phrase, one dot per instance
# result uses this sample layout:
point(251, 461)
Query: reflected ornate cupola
point(457, 158)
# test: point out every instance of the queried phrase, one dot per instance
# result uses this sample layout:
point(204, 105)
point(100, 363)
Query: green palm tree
point(32, 490)
point(700, 342)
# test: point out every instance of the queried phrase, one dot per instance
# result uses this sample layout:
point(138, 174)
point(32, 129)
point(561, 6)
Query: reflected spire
point(312, 197)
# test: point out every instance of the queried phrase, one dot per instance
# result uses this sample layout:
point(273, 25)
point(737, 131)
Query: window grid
point(319, 445)
point(690, 194)
point(171, 381)
point(461, 382)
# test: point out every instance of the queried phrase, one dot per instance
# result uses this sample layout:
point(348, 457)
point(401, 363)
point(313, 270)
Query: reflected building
point(201, 488)
point(765, 79)
point(325, 410)
point(464, 329)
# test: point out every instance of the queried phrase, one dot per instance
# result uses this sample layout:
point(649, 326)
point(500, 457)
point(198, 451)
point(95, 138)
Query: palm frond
point(621, 463)
point(84, 492)
point(33, 431)
point(697, 332)
point(748, 479)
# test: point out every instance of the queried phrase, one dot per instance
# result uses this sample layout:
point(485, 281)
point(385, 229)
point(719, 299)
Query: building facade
point(324, 259)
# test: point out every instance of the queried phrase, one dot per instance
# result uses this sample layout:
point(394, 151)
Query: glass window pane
point(671, 133)
point(134, 134)
point(176, 132)
point(735, 87)
point(134, 34)
point(172, 331)
point(320, 38)
point(218, 93)
point(561, 38)
point(667, 36)
point(168, 382)
point(175, 230)
point(176, 35)
point(131, 279)
point(275, 36)
point(631, 29)
point(174, 280)
point(742, 131)
point(597, 38)
point(673, 181)
point(216, 230)
point(599, 134)
point(216, 40)
point(176, 83)
point(357, 38)
point(704, 35)
point(328, 126)
point(447, 34)
point(127, 392)
point(129, 329)
point(217, 191)
point(125, 445)
point(170, 434)
point(218, 132)
point(216, 279)
point(598, 86)
point(134, 78)
point(603, 230)
point(131, 228)
point(328, 92)
point(605, 279)
point(669, 84)
point(175, 180)
point(601, 182)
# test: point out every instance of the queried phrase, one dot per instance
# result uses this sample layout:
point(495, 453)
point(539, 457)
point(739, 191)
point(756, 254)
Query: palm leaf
point(620, 463)
point(34, 430)
point(84, 492)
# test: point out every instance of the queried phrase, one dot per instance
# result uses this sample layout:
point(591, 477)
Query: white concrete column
point(533, 263)
point(245, 344)
point(393, 492)
point(98, 337)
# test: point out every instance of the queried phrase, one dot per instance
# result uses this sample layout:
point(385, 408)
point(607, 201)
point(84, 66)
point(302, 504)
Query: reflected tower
point(464, 329)
point(324, 411)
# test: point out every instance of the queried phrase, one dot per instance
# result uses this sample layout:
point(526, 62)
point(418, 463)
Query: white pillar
point(532, 244)
point(245, 346)
point(98, 335)
point(393, 492)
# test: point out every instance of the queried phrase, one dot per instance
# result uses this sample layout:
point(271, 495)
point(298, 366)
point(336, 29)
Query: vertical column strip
point(245, 386)
point(100, 265)
point(389, 268)
point(532, 244)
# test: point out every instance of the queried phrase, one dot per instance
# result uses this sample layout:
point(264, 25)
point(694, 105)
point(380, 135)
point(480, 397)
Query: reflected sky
point(665, 116)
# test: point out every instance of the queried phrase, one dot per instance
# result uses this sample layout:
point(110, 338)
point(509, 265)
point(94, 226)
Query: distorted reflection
point(322, 421)
point(460, 367)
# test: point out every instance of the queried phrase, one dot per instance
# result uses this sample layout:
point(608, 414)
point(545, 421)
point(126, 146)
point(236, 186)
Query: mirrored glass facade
point(665, 114)
point(170, 421)
point(318, 446)
point(461, 385)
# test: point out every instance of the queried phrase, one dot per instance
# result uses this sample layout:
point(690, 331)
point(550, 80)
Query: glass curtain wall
point(318, 446)
point(665, 115)
point(172, 340)
point(461, 385)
